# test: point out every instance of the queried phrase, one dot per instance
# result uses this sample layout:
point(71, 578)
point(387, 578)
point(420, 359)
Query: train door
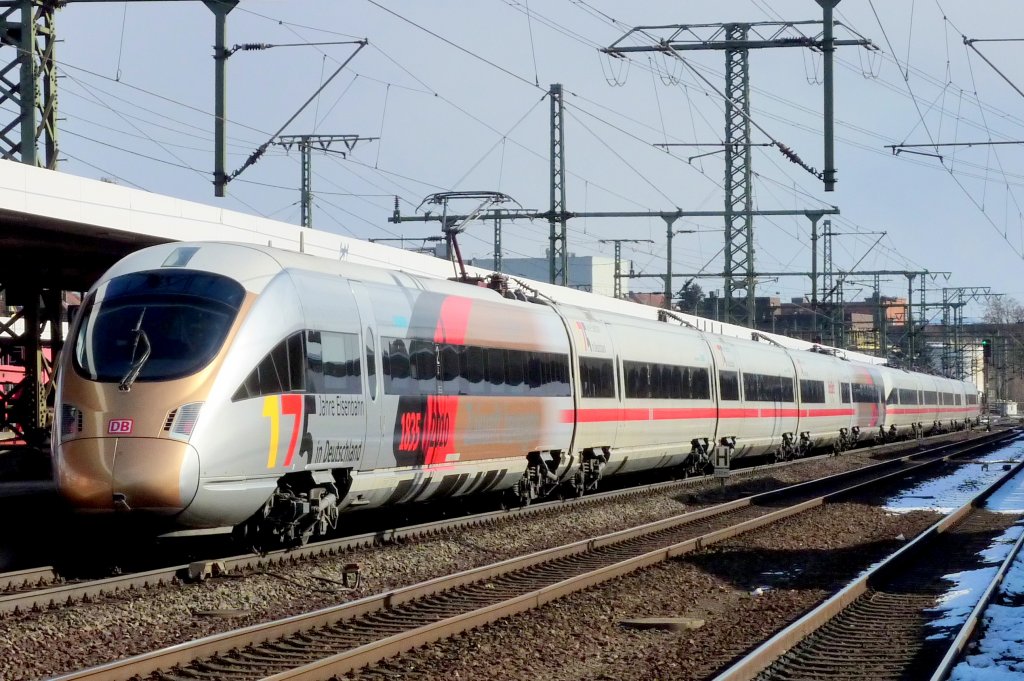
point(373, 379)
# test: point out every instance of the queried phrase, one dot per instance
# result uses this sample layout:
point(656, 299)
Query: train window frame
point(348, 362)
point(371, 364)
point(812, 391)
point(597, 377)
point(734, 384)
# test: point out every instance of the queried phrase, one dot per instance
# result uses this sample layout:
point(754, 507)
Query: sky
point(456, 93)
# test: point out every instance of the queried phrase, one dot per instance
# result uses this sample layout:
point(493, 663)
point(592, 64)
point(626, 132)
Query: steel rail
point(787, 639)
point(309, 623)
point(20, 579)
point(70, 593)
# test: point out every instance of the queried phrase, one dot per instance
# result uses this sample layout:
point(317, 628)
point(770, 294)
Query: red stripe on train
point(682, 413)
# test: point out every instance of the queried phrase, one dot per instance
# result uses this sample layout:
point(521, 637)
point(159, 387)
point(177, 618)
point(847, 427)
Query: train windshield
point(155, 326)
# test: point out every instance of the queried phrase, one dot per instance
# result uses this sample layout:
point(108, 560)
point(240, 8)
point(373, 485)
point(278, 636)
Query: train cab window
point(184, 316)
point(282, 370)
point(812, 392)
point(729, 385)
point(597, 377)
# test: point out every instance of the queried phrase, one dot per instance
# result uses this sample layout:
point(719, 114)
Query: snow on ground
point(999, 655)
point(948, 493)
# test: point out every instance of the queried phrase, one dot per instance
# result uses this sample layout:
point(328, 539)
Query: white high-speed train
point(224, 386)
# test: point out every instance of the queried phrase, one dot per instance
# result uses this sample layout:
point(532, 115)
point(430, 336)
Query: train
point(220, 387)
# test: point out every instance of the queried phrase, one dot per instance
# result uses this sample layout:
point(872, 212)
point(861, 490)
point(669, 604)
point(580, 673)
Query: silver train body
point(221, 386)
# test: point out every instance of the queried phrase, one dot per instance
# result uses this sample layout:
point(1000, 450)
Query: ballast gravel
point(744, 590)
point(43, 644)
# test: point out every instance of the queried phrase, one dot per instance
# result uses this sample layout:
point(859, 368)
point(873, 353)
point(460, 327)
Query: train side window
point(281, 370)
point(516, 370)
point(450, 368)
point(957, 400)
point(342, 363)
point(893, 397)
point(423, 366)
point(472, 369)
point(314, 362)
point(729, 385)
point(560, 375)
point(787, 389)
point(596, 377)
point(751, 387)
point(496, 370)
point(637, 383)
point(846, 393)
point(700, 383)
point(296, 362)
point(396, 366)
point(812, 392)
point(371, 364)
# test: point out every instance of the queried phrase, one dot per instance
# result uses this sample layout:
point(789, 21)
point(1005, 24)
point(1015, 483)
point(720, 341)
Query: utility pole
point(735, 39)
point(305, 143)
point(558, 254)
point(617, 286)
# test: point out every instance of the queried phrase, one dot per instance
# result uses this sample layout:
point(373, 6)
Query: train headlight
point(70, 421)
point(183, 420)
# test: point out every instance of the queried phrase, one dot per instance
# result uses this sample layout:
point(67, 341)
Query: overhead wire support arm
point(258, 153)
point(305, 143)
point(969, 42)
point(767, 34)
point(253, 47)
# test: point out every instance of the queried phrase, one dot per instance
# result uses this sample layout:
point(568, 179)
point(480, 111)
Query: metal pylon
point(558, 256)
point(739, 233)
point(28, 82)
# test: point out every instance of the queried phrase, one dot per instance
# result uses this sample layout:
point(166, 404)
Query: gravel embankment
point(37, 645)
point(744, 589)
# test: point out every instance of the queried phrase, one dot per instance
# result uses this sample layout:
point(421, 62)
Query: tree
point(1003, 310)
point(690, 297)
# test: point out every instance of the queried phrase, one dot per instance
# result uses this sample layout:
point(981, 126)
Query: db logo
point(120, 426)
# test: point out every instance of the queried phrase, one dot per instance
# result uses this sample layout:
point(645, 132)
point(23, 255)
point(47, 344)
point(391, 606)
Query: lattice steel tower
point(739, 234)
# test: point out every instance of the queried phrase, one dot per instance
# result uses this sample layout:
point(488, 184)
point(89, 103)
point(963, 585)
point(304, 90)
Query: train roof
point(254, 265)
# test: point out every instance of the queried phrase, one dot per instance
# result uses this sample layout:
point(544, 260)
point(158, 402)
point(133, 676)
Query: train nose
point(128, 474)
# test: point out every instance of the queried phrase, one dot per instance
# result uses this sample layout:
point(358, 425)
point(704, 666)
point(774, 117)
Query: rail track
point(41, 588)
point(885, 625)
point(344, 638)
